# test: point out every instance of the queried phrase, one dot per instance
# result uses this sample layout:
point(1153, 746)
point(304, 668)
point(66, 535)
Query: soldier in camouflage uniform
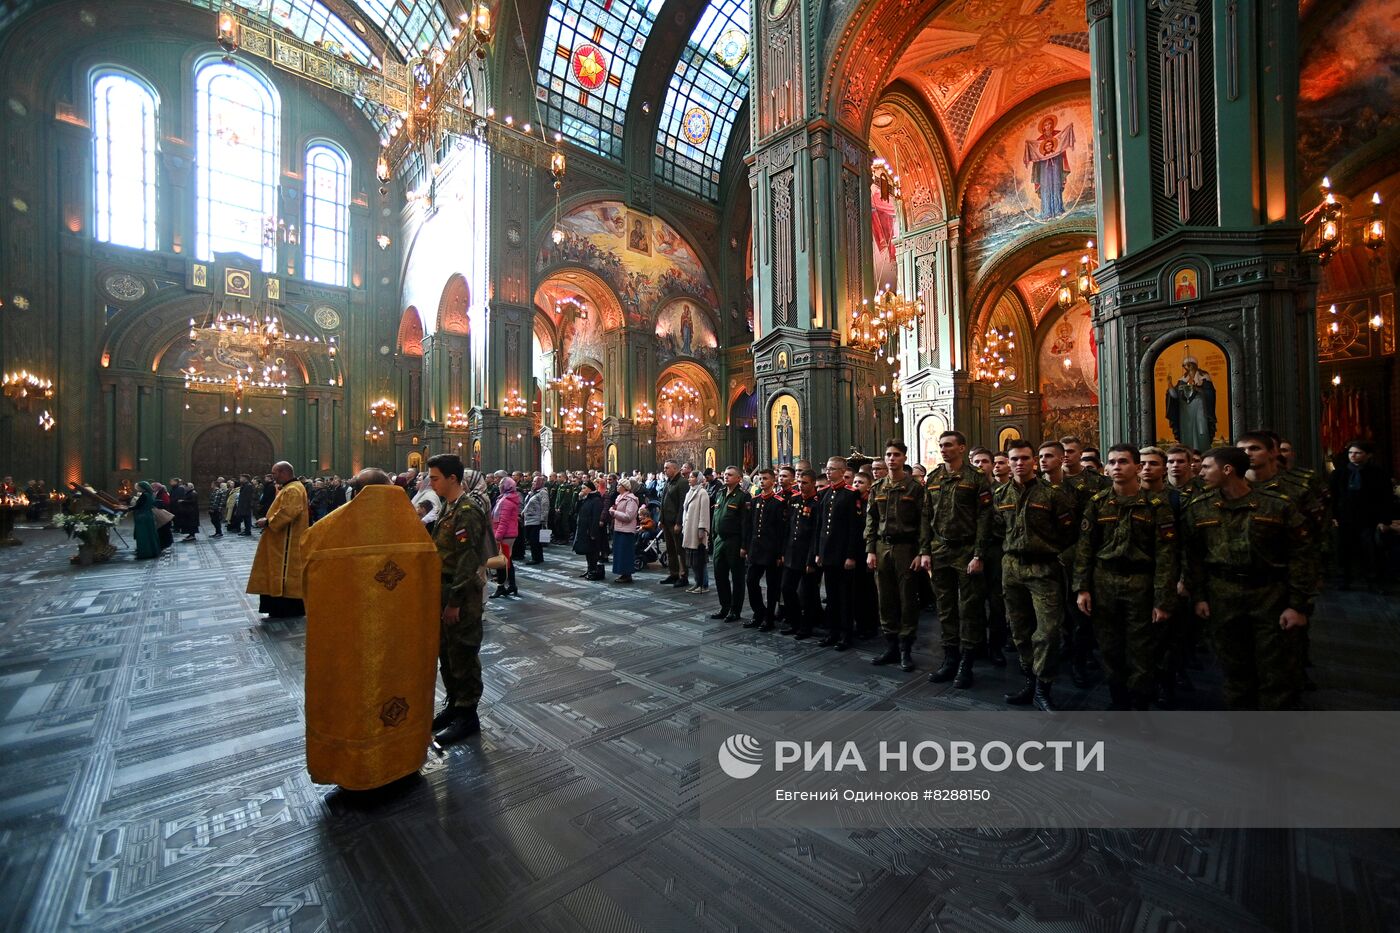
point(956, 532)
point(1038, 519)
point(1249, 569)
point(983, 459)
point(459, 534)
point(1125, 574)
point(893, 523)
point(1084, 483)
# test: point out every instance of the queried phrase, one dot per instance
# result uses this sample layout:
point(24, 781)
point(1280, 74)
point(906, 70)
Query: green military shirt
point(957, 511)
point(1131, 534)
point(895, 510)
point(1303, 496)
point(459, 534)
point(1260, 538)
point(731, 514)
point(1038, 518)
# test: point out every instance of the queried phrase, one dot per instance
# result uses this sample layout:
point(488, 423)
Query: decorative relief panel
point(784, 305)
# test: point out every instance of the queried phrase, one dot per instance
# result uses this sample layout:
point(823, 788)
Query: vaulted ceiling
point(978, 59)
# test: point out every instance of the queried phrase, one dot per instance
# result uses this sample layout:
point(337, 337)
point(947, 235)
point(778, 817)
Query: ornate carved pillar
point(1194, 114)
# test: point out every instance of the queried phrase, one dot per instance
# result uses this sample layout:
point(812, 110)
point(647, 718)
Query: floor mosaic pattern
point(152, 778)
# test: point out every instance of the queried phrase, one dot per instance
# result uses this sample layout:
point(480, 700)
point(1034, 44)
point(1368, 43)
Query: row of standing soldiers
point(1063, 560)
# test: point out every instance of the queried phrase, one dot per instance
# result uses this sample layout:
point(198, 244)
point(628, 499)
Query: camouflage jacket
point(894, 509)
point(1133, 534)
point(1038, 518)
point(957, 511)
point(1259, 539)
point(460, 531)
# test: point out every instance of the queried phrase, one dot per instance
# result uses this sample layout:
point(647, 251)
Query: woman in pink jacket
point(505, 524)
point(624, 516)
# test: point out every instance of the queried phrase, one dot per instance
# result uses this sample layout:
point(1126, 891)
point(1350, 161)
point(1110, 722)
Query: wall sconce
point(383, 241)
point(22, 387)
point(46, 421)
point(1374, 237)
point(1065, 297)
point(1329, 227)
point(228, 36)
point(644, 415)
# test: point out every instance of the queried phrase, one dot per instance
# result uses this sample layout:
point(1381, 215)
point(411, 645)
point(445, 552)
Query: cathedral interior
point(564, 235)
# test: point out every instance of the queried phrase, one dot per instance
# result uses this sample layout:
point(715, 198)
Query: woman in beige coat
point(695, 531)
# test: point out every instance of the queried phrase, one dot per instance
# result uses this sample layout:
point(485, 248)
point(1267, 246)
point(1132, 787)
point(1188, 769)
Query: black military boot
point(948, 669)
point(767, 626)
point(891, 654)
point(906, 654)
point(449, 713)
point(1023, 696)
point(1079, 673)
point(1042, 698)
point(963, 678)
point(463, 724)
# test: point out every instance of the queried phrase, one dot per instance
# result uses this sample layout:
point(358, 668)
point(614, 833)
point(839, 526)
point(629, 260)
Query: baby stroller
point(651, 543)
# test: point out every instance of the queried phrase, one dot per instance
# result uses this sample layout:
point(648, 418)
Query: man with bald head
point(276, 573)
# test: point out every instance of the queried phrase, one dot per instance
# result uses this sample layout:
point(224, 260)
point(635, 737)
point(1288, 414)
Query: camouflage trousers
point(1130, 643)
point(1263, 664)
point(898, 589)
point(459, 648)
point(961, 598)
point(1035, 609)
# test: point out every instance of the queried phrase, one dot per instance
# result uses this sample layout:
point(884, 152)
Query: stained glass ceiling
point(587, 62)
point(707, 91)
point(410, 25)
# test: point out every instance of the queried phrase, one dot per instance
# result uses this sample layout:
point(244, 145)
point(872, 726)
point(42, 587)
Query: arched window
point(326, 232)
point(237, 120)
point(124, 160)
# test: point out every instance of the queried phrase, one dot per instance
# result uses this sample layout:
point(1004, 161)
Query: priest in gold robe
point(371, 584)
point(276, 573)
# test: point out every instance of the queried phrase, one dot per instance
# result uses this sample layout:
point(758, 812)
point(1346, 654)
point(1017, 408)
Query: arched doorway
point(743, 429)
point(227, 450)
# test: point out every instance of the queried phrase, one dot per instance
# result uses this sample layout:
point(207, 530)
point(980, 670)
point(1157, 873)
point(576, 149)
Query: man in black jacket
point(801, 581)
point(672, 505)
point(765, 550)
point(243, 508)
point(837, 542)
point(1362, 502)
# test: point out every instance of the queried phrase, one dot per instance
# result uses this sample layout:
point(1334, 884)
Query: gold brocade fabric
point(372, 614)
point(277, 565)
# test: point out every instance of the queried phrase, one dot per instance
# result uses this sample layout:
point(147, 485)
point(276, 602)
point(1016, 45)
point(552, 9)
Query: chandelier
point(886, 180)
point(573, 389)
point(514, 406)
point(457, 419)
point(683, 400)
point(381, 412)
point(240, 385)
point(644, 415)
point(1374, 233)
point(992, 363)
point(264, 334)
point(23, 387)
point(420, 100)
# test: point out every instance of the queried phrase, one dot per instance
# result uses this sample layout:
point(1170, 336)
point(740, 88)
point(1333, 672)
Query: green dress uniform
point(1038, 519)
point(893, 523)
point(460, 531)
point(1126, 560)
point(956, 526)
point(730, 529)
point(1249, 559)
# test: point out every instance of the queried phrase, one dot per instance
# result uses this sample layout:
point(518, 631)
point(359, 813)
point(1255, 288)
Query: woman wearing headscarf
point(165, 534)
point(588, 534)
point(624, 517)
point(505, 524)
point(144, 522)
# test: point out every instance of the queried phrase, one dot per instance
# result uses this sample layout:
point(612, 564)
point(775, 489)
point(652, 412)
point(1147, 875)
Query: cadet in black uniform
point(836, 544)
point(801, 582)
point(769, 518)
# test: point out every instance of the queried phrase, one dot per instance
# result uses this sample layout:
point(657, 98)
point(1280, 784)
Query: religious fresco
point(784, 430)
point(882, 232)
point(1349, 82)
point(1040, 285)
point(1040, 171)
point(642, 258)
point(581, 341)
point(977, 59)
point(1069, 375)
point(684, 329)
point(1191, 389)
point(216, 355)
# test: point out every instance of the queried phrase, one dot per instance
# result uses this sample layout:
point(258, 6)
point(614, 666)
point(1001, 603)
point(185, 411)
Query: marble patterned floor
point(152, 778)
